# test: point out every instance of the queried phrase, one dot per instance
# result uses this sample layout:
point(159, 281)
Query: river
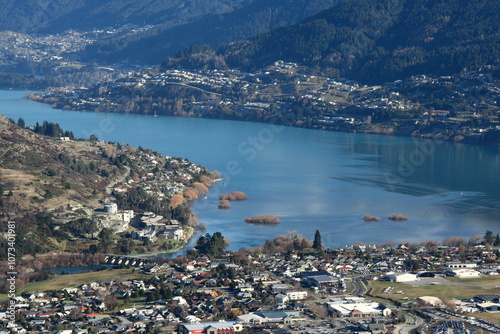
point(311, 179)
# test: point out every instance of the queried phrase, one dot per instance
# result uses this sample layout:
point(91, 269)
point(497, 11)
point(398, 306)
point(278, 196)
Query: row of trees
point(49, 129)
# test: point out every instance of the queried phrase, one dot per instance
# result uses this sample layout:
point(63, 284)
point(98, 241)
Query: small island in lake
point(224, 204)
point(262, 220)
point(398, 217)
point(370, 218)
point(234, 196)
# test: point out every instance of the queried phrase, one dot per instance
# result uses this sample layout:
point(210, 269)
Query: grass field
point(441, 290)
point(411, 292)
point(68, 281)
point(488, 281)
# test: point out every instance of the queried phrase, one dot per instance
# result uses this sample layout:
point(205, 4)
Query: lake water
point(311, 179)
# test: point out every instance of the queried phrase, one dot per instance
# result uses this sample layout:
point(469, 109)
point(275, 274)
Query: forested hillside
point(53, 16)
point(381, 40)
point(174, 24)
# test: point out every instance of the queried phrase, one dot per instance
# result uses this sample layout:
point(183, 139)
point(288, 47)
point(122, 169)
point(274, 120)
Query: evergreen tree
point(211, 244)
point(21, 123)
point(489, 238)
point(317, 245)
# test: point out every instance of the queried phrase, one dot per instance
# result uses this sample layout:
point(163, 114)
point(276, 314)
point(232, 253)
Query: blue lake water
point(311, 179)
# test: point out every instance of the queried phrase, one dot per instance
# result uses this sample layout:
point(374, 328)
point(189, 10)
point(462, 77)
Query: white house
point(296, 295)
point(281, 298)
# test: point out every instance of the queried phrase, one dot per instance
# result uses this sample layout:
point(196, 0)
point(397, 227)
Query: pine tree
point(317, 245)
point(489, 238)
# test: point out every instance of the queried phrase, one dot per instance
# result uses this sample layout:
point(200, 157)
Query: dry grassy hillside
point(39, 172)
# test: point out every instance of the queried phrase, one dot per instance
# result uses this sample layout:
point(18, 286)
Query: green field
point(411, 292)
point(487, 281)
point(69, 281)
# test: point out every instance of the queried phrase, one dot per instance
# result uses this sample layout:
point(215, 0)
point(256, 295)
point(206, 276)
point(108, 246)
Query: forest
point(382, 40)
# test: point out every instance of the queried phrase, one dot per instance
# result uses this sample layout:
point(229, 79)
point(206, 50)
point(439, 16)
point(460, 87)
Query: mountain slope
point(174, 24)
point(376, 41)
point(53, 16)
point(217, 28)
point(46, 173)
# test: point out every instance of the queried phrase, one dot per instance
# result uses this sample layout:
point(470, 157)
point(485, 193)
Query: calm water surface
point(310, 179)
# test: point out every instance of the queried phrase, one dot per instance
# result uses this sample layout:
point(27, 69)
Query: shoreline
point(392, 131)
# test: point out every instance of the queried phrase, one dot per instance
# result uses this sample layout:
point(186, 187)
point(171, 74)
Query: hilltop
point(46, 173)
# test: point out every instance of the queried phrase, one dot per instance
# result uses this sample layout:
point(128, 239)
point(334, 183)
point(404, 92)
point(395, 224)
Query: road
point(109, 188)
point(412, 322)
point(360, 288)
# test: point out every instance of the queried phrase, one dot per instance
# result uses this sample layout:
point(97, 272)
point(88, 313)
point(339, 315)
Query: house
point(296, 295)
point(281, 298)
point(210, 327)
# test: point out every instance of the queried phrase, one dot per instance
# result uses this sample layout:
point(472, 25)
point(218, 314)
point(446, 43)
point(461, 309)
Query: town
point(101, 229)
point(357, 289)
point(459, 108)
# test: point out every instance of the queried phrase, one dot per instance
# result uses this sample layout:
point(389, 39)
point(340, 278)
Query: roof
point(214, 324)
point(315, 273)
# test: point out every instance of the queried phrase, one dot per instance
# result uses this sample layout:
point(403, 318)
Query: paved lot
point(439, 281)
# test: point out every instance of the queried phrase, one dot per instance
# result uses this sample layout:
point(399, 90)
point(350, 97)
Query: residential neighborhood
point(357, 289)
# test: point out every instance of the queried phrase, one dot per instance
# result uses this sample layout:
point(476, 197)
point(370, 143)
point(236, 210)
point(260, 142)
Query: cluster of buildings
point(256, 293)
point(153, 227)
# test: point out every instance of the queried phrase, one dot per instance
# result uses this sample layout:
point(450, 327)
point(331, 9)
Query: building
point(403, 277)
point(430, 300)
point(356, 307)
point(489, 307)
point(210, 327)
point(296, 295)
point(111, 208)
point(463, 273)
point(460, 265)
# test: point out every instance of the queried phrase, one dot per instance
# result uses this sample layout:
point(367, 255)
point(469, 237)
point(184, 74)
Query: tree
point(317, 245)
point(453, 241)
point(21, 123)
point(489, 238)
point(211, 244)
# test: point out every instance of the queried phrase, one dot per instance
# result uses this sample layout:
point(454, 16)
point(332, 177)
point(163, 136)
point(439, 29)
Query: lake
point(311, 179)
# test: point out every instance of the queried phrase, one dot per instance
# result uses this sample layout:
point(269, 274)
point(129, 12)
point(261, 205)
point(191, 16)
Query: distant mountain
point(177, 23)
point(381, 40)
point(52, 16)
